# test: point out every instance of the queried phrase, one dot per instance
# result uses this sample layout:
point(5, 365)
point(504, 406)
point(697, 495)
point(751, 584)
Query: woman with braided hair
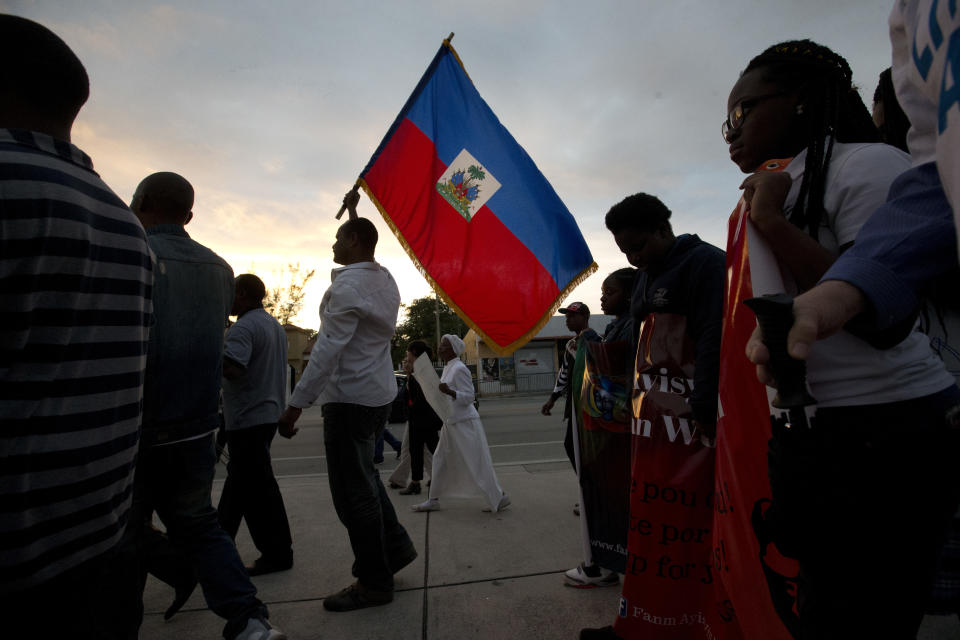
point(862, 497)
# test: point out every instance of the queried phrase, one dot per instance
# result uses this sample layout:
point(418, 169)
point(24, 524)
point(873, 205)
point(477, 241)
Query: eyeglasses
point(739, 113)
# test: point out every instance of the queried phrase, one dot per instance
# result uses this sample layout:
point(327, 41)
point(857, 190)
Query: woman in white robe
point(461, 463)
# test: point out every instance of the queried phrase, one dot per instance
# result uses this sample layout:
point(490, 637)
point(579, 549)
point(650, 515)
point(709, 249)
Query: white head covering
point(455, 343)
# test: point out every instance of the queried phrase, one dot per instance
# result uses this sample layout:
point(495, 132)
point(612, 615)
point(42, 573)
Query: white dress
point(461, 463)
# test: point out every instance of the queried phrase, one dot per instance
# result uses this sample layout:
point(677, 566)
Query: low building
point(532, 368)
point(299, 343)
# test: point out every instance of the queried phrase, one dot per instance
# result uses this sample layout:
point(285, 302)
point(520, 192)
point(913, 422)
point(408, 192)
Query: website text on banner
point(472, 210)
point(605, 413)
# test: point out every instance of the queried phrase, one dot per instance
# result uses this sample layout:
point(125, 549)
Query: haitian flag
point(472, 210)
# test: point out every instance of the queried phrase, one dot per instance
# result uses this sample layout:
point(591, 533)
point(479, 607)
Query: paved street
point(479, 575)
point(516, 432)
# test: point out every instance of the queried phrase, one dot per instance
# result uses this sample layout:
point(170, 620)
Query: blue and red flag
point(473, 211)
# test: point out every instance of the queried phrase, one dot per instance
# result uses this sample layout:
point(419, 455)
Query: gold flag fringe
point(456, 56)
point(500, 350)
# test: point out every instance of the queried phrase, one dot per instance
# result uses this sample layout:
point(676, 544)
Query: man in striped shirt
point(75, 309)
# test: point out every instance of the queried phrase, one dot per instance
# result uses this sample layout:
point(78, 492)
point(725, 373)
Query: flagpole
point(352, 197)
point(436, 313)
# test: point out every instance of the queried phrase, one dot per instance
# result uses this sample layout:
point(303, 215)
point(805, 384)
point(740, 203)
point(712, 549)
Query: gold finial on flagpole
point(449, 38)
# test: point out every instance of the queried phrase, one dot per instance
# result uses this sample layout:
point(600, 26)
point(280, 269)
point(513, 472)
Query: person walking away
point(351, 366)
point(254, 395)
point(193, 295)
point(76, 275)
point(424, 423)
point(461, 462)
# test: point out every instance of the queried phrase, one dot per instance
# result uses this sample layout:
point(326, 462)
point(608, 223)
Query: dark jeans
point(568, 443)
point(418, 438)
point(863, 500)
point(251, 492)
point(162, 560)
point(379, 541)
point(175, 480)
point(378, 448)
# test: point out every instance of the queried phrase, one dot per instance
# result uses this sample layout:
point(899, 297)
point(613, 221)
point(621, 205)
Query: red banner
point(671, 587)
point(761, 582)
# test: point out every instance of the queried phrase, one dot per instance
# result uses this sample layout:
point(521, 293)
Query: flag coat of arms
point(472, 210)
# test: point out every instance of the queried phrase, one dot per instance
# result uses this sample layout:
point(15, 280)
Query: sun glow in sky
point(271, 110)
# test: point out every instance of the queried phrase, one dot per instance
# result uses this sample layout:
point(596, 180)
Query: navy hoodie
point(689, 281)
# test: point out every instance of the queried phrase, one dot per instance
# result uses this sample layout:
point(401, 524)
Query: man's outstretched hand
point(287, 424)
point(817, 314)
point(547, 406)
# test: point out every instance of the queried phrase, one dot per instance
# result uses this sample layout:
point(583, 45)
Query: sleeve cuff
point(892, 299)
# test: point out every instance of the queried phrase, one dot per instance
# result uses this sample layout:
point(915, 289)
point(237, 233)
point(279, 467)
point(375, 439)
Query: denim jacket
point(192, 297)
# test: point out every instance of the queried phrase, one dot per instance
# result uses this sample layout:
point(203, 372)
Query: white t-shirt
point(257, 342)
point(844, 370)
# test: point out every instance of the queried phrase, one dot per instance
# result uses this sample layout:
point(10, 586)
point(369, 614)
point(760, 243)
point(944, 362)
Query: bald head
point(163, 198)
point(42, 82)
point(249, 292)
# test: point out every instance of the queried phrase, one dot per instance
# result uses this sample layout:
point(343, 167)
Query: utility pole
point(436, 314)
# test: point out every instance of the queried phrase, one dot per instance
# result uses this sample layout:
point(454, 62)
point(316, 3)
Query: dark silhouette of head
point(640, 225)
point(890, 119)
point(249, 292)
point(417, 347)
point(616, 291)
point(163, 198)
point(43, 84)
point(798, 95)
point(576, 316)
point(356, 242)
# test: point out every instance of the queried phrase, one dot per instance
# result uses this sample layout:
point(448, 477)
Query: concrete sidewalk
point(479, 575)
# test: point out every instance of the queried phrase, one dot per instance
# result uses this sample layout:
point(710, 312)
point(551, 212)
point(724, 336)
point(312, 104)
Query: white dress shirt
point(350, 361)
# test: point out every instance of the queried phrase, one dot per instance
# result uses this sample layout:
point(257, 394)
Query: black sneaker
point(413, 489)
point(263, 565)
point(356, 596)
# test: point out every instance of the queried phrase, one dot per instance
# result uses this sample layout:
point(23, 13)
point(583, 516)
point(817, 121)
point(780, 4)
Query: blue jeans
point(175, 480)
point(387, 437)
point(380, 543)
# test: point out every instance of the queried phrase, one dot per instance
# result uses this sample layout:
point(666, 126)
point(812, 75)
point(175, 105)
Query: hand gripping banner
point(472, 210)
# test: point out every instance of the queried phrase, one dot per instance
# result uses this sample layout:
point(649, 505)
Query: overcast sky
point(272, 109)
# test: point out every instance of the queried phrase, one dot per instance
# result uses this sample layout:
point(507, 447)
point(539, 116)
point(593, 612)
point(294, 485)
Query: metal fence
point(522, 383)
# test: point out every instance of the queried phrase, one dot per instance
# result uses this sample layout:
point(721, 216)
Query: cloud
point(272, 111)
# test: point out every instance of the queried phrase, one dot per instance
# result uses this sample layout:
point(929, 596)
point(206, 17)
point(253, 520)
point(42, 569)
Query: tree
point(421, 324)
point(285, 302)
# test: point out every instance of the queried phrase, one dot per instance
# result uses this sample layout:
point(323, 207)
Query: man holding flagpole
point(351, 366)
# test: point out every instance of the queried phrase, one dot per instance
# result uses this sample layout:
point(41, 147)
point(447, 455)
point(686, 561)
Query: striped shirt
point(75, 308)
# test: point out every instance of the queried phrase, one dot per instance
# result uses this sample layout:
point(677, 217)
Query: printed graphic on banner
point(761, 583)
point(671, 587)
point(605, 414)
